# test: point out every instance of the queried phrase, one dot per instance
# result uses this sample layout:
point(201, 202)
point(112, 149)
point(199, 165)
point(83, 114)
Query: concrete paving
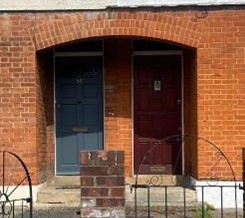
point(70, 211)
point(52, 211)
point(62, 200)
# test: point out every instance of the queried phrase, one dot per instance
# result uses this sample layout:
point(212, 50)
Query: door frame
point(159, 53)
point(78, 54)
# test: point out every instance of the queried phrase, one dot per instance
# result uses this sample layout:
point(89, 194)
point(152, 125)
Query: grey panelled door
point(79, 110)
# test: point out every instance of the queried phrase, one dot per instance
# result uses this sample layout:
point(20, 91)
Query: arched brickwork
point(215, 79)
point(65, 28)
point(163, 26)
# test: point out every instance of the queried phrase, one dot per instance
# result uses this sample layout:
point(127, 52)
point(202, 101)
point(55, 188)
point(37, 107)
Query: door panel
point(90, 114)
point(68, 91)
point(68, 148)
point(70, 120)
point(157, 113)
point(79, 110)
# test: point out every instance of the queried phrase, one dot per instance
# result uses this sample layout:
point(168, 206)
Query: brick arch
point(100, 24)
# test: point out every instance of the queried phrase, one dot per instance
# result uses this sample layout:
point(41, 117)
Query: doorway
point(79, 109)
point(157, 111)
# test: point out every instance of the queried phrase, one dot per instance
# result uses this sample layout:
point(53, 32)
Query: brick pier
point(102, 184)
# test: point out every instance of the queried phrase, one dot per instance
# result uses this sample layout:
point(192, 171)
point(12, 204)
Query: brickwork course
point(213, 41)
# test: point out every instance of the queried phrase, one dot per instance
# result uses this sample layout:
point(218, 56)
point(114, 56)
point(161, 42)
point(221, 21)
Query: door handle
point(82, 129)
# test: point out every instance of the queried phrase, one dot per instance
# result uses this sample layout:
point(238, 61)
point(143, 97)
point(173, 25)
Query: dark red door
point(157, 113)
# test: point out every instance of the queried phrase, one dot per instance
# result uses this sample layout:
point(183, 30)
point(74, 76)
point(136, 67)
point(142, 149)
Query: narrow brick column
point(102, 184)
point(243, 178)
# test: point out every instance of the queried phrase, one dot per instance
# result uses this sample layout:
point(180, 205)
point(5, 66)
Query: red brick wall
point(216, 34)
point(220, 86)
point(41, 125)
point(45, 110)
point(18, 89)
point(190, 110)
point(118, 115)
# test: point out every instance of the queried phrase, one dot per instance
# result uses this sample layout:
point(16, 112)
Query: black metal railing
point(156, 186)
point(182, 207)
point(16, 187)
point(15, 207)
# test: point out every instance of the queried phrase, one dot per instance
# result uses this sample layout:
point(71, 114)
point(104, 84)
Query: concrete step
point(173, 195)
point(176, 196)
point(66, 189)
point(169, 180)
point(66, 181)
point(59, 195)
point(62, 189)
